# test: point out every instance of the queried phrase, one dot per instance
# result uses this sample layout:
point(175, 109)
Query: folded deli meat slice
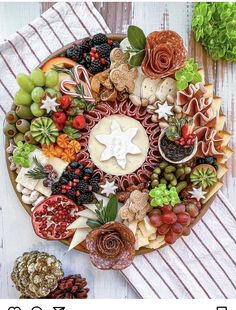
point(197, 103)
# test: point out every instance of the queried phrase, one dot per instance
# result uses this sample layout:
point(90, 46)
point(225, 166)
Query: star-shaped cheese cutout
point(164, 110)
point(197, 193)
point(49, 104)
point(108, 188)
point(118, 144)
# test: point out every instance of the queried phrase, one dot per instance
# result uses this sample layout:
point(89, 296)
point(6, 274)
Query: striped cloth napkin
point(201, 265)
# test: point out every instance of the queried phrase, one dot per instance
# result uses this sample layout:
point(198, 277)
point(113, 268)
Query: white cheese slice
point(143, 229)
point(152, 237)
point(141, 241)
point(133, 226)
point(23, 180)
point(79, 236)
point(155, 244)
point(91, 206)
point(80, 222)
point(151, 229)
point(103, 198)
point(88, 214)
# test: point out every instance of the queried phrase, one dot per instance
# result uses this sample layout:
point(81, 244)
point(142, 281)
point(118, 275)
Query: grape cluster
point(173, 222)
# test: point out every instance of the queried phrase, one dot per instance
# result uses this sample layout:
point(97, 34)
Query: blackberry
point(83, 186)
point(86, 198)
point(209, 160)
point(74, 164)
point(74, 54)
point(104, 50)
point(71, 193)
point(71, 175)
point(56, 188)
point(95, 66)
point(115, 44)
point(63, 180)
point(86, 45)
point(99, 39)
point(94, 183)
point(88, 171)
point(83, 62)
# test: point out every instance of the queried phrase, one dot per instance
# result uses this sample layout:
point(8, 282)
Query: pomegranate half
point(53, 215)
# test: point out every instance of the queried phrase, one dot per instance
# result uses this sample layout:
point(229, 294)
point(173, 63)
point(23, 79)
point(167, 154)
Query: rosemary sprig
point(37, 172)
point(64, 70)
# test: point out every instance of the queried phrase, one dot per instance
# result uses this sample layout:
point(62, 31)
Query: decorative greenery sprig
point(188, 74)
point(173, 131)
point(137, 41)
point(37, 172)
point(105, 213)
point(72, 133)
point(162, 196)
point(21, 154)
point(214, 25)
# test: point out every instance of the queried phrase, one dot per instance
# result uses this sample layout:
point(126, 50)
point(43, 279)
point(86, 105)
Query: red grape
point(186, 231)
point(170, 237)
point(192, 220)
point(192, 210)
point(155, 220)
point(154, 211)
point(169, 218)
point(179, 208)
point(184, 219)
point(177, 228)
point(163, 229)
point(166, 209)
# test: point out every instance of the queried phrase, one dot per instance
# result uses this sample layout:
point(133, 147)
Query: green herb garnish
point(105, 214)
point(37, 172)
point(21, 154)
point(214, 25)
point(137, 40)
point(162, 196)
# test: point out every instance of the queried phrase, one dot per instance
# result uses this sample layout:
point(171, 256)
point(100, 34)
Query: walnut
point(136, 206)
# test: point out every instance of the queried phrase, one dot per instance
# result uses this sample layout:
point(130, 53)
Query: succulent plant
point(203, 175)
point(44, 130)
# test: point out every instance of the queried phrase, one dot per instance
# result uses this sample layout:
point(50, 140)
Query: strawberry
point(59, 118)
point(187, 130)
point(78, 122)
point(65, 102)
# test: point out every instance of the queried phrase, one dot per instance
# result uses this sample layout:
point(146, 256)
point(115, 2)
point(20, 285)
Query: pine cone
point(36, 274)
point(70, 287)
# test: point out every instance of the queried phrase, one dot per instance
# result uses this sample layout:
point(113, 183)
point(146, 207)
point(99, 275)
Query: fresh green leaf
point(93, 223)
point(72, 132)
point(111, 209)
point(162, 196)
point(21, 154)
point(136, 60)
point(136, 37)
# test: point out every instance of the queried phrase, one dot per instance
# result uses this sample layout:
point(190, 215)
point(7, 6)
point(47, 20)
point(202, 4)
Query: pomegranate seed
point(96, 56)
point(91, 54)
point(68, 168)
point(103, 61)
point(86, 177)
point(93, 49)
point(109, 41)
point(92, 58)
point(77, 171)
point(182, 143)
point(77, 193)
point(63, 191)
point(76, 181)
point(90, 188)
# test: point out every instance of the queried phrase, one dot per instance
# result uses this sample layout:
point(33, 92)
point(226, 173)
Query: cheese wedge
point(133, 226)
point(80, 222)
point(209, 91)
point(88, 214)
point(152, 237)
point(157, 243)
point(220, 122)
point(222, 169)
point(141, 241)
point(143, 229)
point(212, 190)
point(215, 105)
point(225, 135)
point(91, 206)
point(79, 236)
point(151, 229)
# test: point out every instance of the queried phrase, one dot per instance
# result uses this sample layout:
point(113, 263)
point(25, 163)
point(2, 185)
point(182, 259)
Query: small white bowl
point(184, 160)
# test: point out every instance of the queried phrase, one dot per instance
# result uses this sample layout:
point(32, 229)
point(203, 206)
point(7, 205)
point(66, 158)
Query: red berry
point(192, 210)
point(96, 56)
point(109, 41)
point(59, 118)
point(77, 193)
point(65, 101)
point(78, 122)
point(155, 220)
point(163, 229)
point(77, 171)
point(92, 58)
point(184, 219)
point(166, 209)
point(103, 61)
point(169, 218)
point(177, 142)
point(170, 237)
point(93, 50)
point(179, 208)
point(177, 228)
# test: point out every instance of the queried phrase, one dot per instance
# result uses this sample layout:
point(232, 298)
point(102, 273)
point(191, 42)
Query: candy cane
point(77, 70)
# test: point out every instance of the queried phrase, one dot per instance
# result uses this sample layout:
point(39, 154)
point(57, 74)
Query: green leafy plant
point(37, 172)
point(188, 74)
point(214, 25)
point(162, 196)
point(72, 133)
point(137, 41)
point(21, 154)
point(174, 130)
point(105, 214)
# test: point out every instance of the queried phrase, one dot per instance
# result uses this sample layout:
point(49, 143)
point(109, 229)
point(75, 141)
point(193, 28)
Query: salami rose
point(164, 54)
point(111, 246)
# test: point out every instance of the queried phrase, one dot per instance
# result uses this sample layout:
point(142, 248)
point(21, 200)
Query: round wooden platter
point(12, 174)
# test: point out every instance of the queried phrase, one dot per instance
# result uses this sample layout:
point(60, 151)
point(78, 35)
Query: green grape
point(25, 82)
point(22, 98)
point(38, 77)
point(37, 94)
point(52, 78)
point(36, 110)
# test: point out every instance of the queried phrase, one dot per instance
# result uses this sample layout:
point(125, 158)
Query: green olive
point(187, 169)
point(163, 181)
point(24, 112)
point(154, 176)
point(157, 170)
point(163, 164)
point(9, 130)
point(169, 176)
point(23, 125)
point(154, 183)
point(183, 177)
point(180, 165)
point(18, 137)
point(28, 138)
point(180, 186)
point(179, 172)
point(173, 182)
point(11, 117)
point(170, 169)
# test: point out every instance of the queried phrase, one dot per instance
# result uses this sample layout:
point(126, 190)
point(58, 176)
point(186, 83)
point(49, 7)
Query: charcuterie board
point(135, 145)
